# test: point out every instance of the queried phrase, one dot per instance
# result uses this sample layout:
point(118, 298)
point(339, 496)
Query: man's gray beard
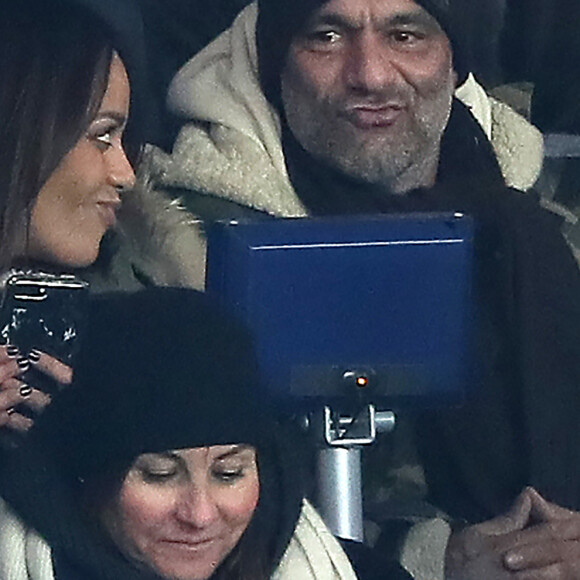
point(404, 165)
point(399, 160)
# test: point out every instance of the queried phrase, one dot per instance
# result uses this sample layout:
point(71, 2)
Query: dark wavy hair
point(256, 555)
point(54, 68)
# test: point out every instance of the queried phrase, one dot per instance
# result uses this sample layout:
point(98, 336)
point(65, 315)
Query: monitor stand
point(341, 439)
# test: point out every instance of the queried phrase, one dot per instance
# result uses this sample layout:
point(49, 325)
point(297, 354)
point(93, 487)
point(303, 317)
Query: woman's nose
point(121, 174)
point(196, 506)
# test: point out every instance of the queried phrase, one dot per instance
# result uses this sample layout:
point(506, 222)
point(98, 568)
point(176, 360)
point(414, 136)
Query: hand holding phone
point(40, 322)
point(43, 312)
point(19, 401)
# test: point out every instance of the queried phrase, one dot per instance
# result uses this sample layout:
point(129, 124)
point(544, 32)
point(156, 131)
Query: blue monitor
point(374, 309)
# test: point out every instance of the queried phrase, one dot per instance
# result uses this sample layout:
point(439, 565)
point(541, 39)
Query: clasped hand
point(535, 540)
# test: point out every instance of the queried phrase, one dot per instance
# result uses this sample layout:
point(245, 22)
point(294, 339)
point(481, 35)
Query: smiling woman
point(182, 512)
point(64, 107)
point(162, 461)
point(78, 202)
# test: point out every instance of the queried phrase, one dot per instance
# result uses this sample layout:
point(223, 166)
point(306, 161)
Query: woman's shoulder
point(24, 555)
point(314, 553)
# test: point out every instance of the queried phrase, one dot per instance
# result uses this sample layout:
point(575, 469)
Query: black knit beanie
point(160, 369)
point(280, 20)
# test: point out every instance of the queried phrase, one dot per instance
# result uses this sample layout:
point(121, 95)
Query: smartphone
point(45, 312)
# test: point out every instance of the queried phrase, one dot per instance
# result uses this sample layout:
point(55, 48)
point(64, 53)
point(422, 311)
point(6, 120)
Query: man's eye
point(324, 37)
point(405, 36)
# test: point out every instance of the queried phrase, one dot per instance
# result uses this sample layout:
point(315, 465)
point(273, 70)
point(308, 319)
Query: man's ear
point(455, 78)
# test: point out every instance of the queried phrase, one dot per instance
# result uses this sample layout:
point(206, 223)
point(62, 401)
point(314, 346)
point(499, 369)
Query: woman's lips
point(108, 211)
point(188, 544)
point(371, 116)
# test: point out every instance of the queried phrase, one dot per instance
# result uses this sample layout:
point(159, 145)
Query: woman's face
point(182, 512)
point(77, 204)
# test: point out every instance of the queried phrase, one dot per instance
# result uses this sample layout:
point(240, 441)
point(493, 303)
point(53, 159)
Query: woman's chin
point(69, 258)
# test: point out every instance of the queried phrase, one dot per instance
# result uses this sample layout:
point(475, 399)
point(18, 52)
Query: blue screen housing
point(388, 297)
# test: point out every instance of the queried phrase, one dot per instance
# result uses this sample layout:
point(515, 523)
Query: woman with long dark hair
point(64, 107)
point(67, 153)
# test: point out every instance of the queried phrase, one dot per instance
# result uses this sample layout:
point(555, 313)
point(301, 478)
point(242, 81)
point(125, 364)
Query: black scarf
point(520, 426)
point(466, 157)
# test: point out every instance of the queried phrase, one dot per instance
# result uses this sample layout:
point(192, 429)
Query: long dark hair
point(54, 67)
point(256, 554)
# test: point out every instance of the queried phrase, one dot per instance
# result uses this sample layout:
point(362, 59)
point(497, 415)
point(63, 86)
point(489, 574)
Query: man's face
point(367, 87)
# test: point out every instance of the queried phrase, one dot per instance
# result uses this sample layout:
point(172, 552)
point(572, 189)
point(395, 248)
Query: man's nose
point(371, 64)
point(196, 506)
point(121, 174)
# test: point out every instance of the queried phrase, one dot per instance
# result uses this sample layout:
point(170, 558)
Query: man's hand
point(477, 552)
point(535, 540)
point(549, 548)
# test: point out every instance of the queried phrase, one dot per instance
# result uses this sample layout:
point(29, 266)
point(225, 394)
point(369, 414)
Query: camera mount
point(339, 474)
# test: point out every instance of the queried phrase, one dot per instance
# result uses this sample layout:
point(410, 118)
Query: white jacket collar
point(313, 552)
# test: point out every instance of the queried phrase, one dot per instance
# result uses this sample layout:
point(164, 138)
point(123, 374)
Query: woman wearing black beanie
point(161, 461)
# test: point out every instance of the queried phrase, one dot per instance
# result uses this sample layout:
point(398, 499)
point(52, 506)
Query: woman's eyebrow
point(159, 455)
point(237, 450)
point(111, 115)
point(146, 460)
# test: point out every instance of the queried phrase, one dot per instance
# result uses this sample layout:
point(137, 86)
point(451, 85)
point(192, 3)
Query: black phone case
point(44, 312)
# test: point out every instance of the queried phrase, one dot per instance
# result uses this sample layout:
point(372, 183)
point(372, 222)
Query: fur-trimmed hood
point(230, 146)
point(156, 242)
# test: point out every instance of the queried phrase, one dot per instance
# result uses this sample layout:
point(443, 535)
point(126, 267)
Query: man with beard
point(368, 89)
point(351, 106)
